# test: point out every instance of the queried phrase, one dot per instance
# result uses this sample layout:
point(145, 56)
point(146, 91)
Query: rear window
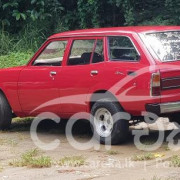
point(166, 45)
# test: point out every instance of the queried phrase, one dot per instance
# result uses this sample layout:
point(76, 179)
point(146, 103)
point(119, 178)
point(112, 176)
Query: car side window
point(98, 55)
point(52, 55)
point(81, 52)
point(121, 48)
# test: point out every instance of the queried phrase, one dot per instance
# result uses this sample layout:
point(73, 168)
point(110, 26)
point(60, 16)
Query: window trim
point(71, 46)
point(122, 60)
point(42, 48)
point(60, 64)
point(100, 38)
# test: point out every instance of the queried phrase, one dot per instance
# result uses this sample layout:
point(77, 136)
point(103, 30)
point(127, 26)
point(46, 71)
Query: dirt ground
point(100, 164)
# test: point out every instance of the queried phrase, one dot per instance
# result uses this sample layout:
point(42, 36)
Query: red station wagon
point(98, 71)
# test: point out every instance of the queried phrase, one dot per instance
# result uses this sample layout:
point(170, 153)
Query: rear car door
point(37, 85)
point(76, 76)
point(123, 75)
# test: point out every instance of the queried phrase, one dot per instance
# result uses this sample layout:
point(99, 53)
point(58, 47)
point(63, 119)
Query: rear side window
point(81, 52)
point(121, 48)
point(52, 55)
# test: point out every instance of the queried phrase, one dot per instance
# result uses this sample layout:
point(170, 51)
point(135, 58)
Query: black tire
point(120, 128)
point(5, 113)
point(175, 118)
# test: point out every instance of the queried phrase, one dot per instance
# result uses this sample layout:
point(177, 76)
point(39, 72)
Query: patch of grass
point(40, 162)
point(22, 120)
point(74, 161)
point(143, 157)
point(6, 41)
point(112, 152)
point(175, 161)
point(167, 148)
point(30, 159)
point(23, 40)
point(30, 154)
point(147, 156)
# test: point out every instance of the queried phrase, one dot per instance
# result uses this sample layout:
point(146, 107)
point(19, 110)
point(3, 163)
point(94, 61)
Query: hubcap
point(103, 122)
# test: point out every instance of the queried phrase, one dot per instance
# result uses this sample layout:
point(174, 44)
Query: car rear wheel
point(107, 128)
point(5, 113)
point(175, 118)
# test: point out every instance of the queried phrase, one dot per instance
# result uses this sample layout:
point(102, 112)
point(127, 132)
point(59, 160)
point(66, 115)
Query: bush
point(15, 59)
point(6, 42)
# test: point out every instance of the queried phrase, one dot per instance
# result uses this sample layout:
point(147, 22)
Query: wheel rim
point(103, 122)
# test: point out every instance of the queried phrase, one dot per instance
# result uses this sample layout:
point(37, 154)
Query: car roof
point(107, 31)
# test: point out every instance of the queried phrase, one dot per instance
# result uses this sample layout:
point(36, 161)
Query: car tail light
point(155, 84)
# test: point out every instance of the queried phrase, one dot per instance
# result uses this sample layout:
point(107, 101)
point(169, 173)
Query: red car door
point(75, 76)
point(127, 73)
point(37, 86)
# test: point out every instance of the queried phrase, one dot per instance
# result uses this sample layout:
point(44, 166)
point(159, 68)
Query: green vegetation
point(25, 24)
point(73, 161)
point(112, 152)
point(143, 157)
point(166, 147)
point(23, 120)
point(147, 156)
point(175, 161)
point(14, 59)
point(31, 159)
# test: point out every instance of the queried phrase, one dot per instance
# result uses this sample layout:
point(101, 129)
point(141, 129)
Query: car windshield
point(165, 44)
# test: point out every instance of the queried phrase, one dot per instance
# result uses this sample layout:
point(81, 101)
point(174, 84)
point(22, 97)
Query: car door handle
point(94, 72)
point(131, 73)
point(53, 73)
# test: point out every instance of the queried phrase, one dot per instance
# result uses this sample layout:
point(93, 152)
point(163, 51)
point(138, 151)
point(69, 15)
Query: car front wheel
point(108, 127)
point(5, 113)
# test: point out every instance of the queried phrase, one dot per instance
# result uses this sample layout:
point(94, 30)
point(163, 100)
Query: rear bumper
point(163, 108)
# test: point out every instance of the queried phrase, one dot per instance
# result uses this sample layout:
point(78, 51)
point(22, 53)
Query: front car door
point(37, 86)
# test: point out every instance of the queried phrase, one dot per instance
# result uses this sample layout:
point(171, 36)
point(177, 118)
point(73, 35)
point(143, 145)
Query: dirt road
point(99, 164)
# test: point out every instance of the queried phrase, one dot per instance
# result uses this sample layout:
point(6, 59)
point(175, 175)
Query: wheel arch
point(102, 94)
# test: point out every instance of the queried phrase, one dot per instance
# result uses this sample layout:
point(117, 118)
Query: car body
point(129, 64)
